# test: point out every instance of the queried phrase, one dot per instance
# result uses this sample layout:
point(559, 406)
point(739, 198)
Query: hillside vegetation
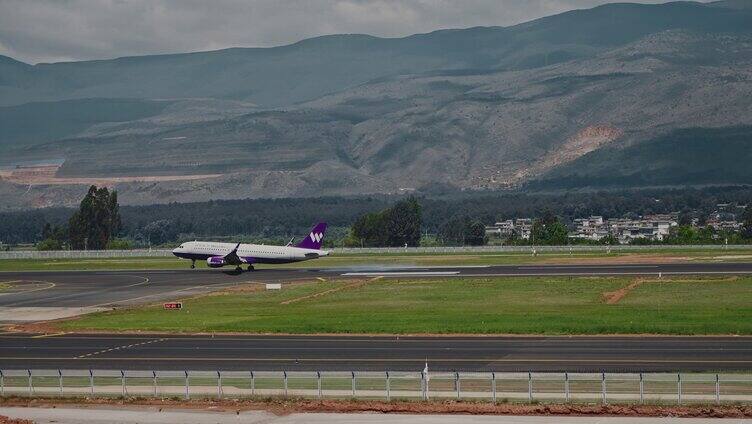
point(589, 98)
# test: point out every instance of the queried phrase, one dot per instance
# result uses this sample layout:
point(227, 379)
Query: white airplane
point(218, 255)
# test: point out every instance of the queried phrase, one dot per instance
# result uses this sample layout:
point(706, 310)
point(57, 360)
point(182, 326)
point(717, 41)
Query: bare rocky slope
point(604, 97)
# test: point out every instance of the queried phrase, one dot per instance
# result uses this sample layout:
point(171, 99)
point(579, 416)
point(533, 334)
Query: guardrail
point(488, 386)
point(141, 253)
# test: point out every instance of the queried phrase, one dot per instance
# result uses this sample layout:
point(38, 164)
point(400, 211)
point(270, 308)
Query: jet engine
point(216, 262)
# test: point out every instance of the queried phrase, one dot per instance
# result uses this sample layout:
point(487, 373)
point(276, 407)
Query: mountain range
point(621, 95)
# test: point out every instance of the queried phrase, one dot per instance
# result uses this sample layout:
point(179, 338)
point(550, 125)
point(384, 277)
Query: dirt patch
point(622, 259)
point(6, 420)
point(352, 285)
point(47, 175)
point(612, 298)
point(284, 406)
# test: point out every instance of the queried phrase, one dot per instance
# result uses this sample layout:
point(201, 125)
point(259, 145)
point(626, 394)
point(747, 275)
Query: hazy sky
point(59, 30)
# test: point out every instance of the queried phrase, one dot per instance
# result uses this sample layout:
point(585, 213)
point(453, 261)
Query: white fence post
point(678, 389)
point(60, 381)
point(422, 386)
point(318, 383)
point(642, 390)
point(566, 386)
point(284, 373)
point(253, 384)
point(219, 385)
point(31, 389)
point(187, 385)
point(122, 380)
point(717, 389)
point(529, 386)
point(2, 383)
point(457, 384)
point(388, 388)
point(603, 388)
point(154, 375)
point(91, 381)
point(493, 385)
point(353, 383)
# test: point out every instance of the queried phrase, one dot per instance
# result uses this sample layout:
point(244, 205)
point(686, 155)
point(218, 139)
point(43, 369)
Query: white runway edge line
point(576, 267)
point(403, 273)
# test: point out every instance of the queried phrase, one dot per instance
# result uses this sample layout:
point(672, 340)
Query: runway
point(107, 289)
point(328, 353)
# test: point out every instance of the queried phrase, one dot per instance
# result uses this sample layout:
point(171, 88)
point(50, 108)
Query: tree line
point(454, 218)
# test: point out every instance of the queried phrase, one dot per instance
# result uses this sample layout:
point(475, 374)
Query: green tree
point(49, 244)
point(395, 226)
point(548, 230)
point(403, 223)
point(96, 221)
point(475, 233)
point(120, 244)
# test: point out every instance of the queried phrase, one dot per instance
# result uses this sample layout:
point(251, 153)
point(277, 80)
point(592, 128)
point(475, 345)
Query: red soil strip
point(6, 420)
point(324, 293)
point(282, 406)
point(614, 297)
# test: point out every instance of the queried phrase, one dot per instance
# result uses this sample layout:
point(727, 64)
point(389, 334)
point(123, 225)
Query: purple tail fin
point(314, 238)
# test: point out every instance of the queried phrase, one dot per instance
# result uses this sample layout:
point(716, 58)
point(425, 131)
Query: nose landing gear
point(250, 268)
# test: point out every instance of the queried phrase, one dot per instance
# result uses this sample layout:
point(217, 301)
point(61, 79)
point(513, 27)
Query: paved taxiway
point(378, 353)
point(104, 289)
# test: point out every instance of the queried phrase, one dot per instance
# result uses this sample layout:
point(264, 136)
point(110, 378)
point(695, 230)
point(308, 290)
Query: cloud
point(58, 30)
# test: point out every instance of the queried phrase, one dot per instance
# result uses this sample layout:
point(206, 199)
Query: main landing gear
point(250, 268)
point(193, 264)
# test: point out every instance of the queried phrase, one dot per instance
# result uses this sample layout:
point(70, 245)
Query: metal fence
point(139, 253)
point(654, 388)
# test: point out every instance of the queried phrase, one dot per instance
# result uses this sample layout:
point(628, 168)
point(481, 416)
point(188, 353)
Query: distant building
point(592, 228)
point(652, 227)
point(520, 227)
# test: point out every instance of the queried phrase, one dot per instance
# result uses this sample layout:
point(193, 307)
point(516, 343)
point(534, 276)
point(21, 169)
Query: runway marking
point(41, 336)
point(49, 286)
point(165, 294)
point(69, 295)
point(403, 274)
point(587, 266)
point(585, 274)
point(418, 360)
point(99, 352)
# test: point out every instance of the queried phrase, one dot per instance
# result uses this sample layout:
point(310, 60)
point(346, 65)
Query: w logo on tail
point(315, 237)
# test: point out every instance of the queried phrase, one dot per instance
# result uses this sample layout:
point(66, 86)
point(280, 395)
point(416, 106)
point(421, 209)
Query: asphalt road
point(97, 289)
point(325, 353)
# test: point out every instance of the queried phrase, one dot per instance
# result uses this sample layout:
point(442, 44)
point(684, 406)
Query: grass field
point(417, 259)
point(529, 305)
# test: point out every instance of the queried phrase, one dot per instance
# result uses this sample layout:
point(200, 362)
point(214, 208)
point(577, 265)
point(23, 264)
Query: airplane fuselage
point(247, 253)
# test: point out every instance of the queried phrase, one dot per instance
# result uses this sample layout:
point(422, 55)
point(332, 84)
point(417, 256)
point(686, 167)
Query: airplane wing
point(232, 258)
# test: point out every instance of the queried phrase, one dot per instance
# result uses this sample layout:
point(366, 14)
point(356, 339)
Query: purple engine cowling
point(215, 262)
